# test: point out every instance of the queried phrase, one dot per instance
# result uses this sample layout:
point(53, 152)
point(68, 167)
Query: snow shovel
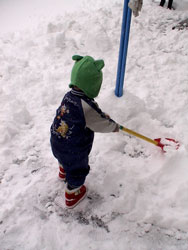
point(167, 142)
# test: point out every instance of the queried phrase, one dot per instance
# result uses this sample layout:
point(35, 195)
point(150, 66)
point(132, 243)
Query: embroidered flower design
point(63, 110)
point(62, 129)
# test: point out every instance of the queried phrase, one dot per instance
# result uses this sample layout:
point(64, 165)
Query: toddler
point(76, 120)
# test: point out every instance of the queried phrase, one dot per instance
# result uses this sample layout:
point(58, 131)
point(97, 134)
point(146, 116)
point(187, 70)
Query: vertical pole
point(125, 30)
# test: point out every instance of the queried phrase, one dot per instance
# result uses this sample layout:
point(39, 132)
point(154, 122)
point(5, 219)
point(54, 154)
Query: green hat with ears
point(87, 75)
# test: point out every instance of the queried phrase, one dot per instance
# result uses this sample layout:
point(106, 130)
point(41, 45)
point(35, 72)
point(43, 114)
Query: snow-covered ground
point(16, 15)
point(138, 196)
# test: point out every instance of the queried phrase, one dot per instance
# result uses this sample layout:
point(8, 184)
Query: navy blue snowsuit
point(72, 134)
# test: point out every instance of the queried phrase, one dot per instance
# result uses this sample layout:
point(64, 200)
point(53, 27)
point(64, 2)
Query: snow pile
point(137, 195)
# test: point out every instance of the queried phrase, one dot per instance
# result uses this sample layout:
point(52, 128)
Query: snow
point(137, 195)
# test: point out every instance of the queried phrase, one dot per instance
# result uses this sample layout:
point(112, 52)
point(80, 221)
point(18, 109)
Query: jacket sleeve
point(96, 120)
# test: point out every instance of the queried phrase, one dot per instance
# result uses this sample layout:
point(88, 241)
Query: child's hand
point(117, 128)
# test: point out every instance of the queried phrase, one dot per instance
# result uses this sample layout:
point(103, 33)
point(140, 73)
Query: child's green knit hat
point(87, 75)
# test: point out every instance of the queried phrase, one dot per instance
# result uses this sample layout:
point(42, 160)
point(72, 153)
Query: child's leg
point(76, 190)
point(58, 155)
point(76, 177)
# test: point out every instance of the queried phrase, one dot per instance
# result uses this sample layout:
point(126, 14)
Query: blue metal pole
point(123, 25)
point(125, 30)
point(124, 59)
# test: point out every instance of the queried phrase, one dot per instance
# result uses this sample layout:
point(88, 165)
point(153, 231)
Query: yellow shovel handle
point(138, 135)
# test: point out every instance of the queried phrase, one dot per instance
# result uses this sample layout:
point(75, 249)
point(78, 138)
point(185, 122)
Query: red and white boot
point(62, 174)
point(74, 196)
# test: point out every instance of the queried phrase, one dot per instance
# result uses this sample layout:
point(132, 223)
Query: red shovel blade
point(167, 142)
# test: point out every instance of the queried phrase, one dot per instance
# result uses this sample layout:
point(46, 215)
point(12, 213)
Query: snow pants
point(74, 163)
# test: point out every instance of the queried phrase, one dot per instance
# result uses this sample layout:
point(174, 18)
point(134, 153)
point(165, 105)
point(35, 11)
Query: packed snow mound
point(136, 192)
